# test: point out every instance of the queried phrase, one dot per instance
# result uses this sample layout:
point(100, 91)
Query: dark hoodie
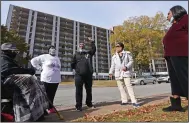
point(176, 39)
point(9, 66)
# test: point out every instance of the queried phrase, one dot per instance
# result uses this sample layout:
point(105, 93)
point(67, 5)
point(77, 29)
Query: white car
point(143, 80)
point(163, 78)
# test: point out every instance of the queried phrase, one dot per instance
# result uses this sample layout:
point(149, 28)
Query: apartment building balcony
point(23, 26)
point(40, 19)
point(39, 35)
point(66, 29)
point(101, 39)
point(103, 55)
point(22, 33)
point(48, 31)
point(39, 24)
point(69, 49)
point(40, 29)
point(102, 50)
point(48, 26)
point(44, 26)
point(43, 35)
point(68, 37)
point(24, 19)
point(67, 55)
point(66, 24)
point(88, 29)
point(66, 34)
point(41, 41)
point(16, 14)
point(102, 45)
point(65, 43)
point(24, 15)
point(85, 34)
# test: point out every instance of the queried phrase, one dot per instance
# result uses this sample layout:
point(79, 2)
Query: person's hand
point(124, 69)
point(90, 39)
point(110, 75)
point(73, 72)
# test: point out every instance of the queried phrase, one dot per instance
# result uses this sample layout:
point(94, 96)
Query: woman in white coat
point(121, 66)
point(50, 66)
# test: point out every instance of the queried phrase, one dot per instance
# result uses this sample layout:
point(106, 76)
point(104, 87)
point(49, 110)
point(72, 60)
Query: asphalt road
point(65, 95)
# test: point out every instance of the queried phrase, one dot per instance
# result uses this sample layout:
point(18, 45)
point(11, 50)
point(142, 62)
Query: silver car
point(143, 80)
point(163, 78)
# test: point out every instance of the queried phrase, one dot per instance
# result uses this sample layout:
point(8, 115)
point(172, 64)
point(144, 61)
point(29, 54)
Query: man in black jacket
point(82, 64)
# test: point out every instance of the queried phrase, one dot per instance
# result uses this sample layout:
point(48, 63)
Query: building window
point(30, 35)
point(29, 41)
point(30, 29)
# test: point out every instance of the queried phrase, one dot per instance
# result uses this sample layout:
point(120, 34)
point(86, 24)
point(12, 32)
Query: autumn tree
point(13, 37)
point(142, 36)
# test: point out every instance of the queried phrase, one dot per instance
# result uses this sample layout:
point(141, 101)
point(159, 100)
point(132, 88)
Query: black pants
point(51, 89)
point(178, 72)
point(79, 81)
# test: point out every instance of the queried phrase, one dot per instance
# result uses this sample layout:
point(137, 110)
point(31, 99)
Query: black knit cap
point(52, 46)
point(120, 44)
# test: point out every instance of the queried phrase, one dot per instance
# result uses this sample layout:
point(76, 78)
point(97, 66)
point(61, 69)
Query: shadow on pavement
point(151, 99)
point(141, 101)
point(69, 114)
point(72, 114)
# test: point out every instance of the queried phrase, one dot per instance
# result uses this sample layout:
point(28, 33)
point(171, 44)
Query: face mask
point(80, 49)
point(171, 20)
point(52, 52)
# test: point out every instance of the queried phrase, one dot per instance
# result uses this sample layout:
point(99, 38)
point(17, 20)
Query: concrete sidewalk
point(102, 108)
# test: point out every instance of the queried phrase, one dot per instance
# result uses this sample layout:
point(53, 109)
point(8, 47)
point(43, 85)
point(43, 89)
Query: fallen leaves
point(149, 113)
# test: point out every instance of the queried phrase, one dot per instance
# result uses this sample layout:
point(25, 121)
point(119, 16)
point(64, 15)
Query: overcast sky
point(99, 13)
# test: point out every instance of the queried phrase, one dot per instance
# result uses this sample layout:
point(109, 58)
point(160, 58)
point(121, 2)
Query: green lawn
point(152, 113)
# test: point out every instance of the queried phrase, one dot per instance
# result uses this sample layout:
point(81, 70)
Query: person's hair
point(178, 12)
point(121, 45)
point(51, 47)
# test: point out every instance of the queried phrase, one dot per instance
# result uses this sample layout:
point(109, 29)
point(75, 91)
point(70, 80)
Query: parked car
point(143, 80)
point(163, 78)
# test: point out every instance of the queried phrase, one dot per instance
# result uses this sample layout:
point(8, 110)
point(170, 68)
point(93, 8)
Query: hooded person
point(50, 66)
point(82, 64)
point(19, 85)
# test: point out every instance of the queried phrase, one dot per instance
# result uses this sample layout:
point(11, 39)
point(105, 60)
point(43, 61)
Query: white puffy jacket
point(117, 66)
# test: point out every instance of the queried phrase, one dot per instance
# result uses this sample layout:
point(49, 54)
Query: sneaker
point(79, 109)
point(124, 103)
point(51, 111)
point(135, 105)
